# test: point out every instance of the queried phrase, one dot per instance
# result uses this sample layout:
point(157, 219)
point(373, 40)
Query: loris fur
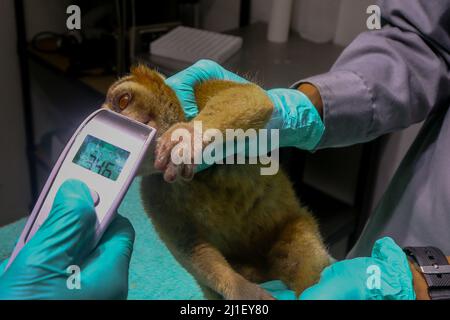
point(229, 226)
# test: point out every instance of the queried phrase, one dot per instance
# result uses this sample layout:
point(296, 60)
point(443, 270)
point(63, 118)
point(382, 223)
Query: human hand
point(66, 239)
point(384, 276)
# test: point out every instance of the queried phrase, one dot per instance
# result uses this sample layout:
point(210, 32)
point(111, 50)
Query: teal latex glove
point(298, 120)
point(383, 276)
point(66, 238)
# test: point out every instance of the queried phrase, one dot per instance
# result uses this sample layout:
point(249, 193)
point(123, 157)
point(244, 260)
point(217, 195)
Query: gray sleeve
point(391, 78)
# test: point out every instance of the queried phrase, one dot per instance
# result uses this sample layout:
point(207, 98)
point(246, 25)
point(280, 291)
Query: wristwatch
point(433, 265)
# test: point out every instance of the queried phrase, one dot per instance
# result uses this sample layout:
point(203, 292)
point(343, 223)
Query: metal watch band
point(435, 269)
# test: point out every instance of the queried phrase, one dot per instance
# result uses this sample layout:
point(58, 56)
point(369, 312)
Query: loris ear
point(143, 74)
point(163, 96)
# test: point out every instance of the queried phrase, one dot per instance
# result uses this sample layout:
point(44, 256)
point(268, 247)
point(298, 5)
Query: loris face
point(143, 96)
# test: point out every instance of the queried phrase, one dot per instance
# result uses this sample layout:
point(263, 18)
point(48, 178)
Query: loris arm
point(243, 107)
point(229, 105)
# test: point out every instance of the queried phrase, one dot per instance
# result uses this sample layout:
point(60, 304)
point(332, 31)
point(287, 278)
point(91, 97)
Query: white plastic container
point(280, 21)
point(316, 20)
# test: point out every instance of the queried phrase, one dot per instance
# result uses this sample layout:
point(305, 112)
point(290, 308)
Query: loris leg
point(210, 268)
point(224, 105)
point(209, 293)
point(299, 256)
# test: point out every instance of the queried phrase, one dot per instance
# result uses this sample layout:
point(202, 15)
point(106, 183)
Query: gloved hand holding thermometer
point(66, 239)
point(70, 217)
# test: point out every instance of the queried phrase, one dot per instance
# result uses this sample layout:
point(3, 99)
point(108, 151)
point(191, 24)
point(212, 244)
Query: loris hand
point(172, 161)
point(384, 276)
point(66, 238)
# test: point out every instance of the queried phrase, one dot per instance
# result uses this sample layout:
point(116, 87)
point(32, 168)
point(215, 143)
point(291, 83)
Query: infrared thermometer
point(104, 153)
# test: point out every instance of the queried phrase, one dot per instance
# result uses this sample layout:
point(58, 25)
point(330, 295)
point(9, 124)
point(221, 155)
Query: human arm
point(384, 81)
point(388, 79)
point(66, 238)
point(313, 94)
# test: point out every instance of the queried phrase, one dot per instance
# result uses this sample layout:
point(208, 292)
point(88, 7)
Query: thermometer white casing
point(114, 129)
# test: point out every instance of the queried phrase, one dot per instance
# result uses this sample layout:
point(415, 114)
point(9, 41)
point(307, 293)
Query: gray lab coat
point(387, 80)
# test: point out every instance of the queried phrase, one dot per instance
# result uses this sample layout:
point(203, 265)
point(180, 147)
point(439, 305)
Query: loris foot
point(248, 291)
point(176, 151)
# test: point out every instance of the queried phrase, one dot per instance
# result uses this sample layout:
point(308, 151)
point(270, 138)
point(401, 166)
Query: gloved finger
point(118, 238)
point(334, 290)
point(67, 235)
point(206, 69)
point(105, 273)
point(201, 71)
point(279, 290)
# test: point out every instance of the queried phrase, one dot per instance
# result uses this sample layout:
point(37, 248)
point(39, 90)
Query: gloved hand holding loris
point(242, 105)
point(386, 275)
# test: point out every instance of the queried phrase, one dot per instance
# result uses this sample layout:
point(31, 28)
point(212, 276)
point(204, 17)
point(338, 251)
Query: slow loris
point(229, 226)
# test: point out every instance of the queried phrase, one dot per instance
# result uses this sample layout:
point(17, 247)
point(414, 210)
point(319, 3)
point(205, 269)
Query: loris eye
point(124, 101)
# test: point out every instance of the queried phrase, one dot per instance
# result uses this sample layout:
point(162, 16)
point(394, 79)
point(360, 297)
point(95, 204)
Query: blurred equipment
point(190, 13)
point(86, 56)
point(146, 27)
point(116, 33)
point(190, 45)
point(280, 21)
point(317, 21)
point(142, 36)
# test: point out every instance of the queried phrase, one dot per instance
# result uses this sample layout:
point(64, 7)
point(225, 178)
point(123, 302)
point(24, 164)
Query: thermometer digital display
point(105, 153)
point(101, 157)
